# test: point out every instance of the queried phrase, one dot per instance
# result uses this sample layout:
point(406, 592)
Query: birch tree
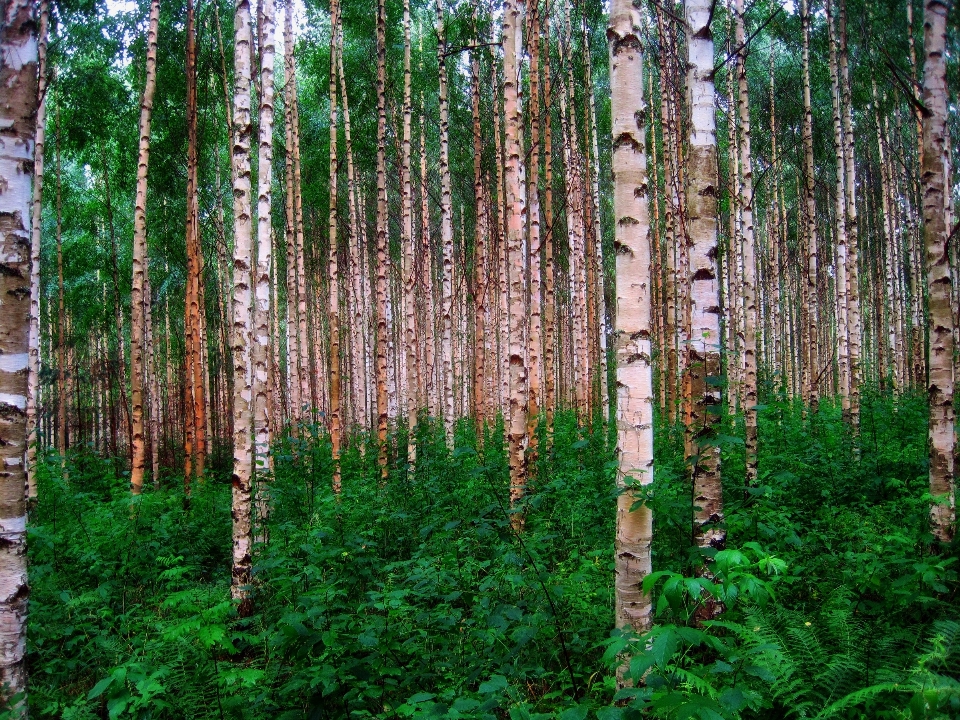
point(634, 531)
point(515, 210)
point(703, 363)
point(262, 388)
point(939, 281)
point(18, 78)
point(141, 267)
point(33, 373)
point(240, 341)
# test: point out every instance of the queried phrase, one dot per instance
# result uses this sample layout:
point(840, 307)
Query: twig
point(458, 50)
point(747, 42)
point(907, 90)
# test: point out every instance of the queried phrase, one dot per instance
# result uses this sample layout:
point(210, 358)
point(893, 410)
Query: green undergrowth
point(414, 597)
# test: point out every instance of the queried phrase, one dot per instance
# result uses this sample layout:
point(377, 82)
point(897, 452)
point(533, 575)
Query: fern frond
point(860, 696)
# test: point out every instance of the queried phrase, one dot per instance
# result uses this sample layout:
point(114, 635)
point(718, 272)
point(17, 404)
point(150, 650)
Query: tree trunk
point(409, 248)
point(749, 278)
point(855, 331)
point(63, 398)
point(533, 185)
point(263, 389)
point(359, 407)
point(633, 328)
point(703, 352)
point(939, 281)
point(479, 246)
point(242, 391)
point(336, 420)
point(446, 234)
point(17, 118)
point(515, 212)
point(195, 387)
point(382, 240)
point(549, 269)
point(811, 369)
point(36, 228)
point(843, 326)
point(293, 351)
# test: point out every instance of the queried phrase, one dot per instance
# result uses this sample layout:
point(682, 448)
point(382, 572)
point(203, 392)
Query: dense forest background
point(486, 360)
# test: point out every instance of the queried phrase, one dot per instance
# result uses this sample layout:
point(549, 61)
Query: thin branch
point(458, 50)
point(746, 43)
point(907, 91)
point(678, 20)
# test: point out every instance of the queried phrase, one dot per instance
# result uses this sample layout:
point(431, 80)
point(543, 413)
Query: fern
point(931, 681)
point(815, 658)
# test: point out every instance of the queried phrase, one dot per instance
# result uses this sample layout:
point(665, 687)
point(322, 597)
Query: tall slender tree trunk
point(515, 208)
point(293, 352)
point(63, 400)
point(195, 378)
point(36, 228)
point(749, 278)
point(703, 352)
point(409, 248)
point(535, 353)
point(141, 257)
point(577, 256)
point(382, 240)
point(549, 269)
point(633, 326)
point(599, 302)
point(153, 415)
point(811, 368)
point(939, 281)
point(479, 245)
point(263, 390)
point(358, 372)
point(843, 325)
point(336, 419)
point(241, 509)
point(855, 330)
point(429, 398)
point(446, 233)
point(18, 78)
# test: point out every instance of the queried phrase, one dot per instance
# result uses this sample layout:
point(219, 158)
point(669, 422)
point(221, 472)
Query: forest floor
point(414, 597)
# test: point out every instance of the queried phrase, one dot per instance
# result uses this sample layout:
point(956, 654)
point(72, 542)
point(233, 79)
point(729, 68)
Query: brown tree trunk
point(535, 364)
point(195, 386)
point(549, 269)
point(336, 421)
point(63, 399)
point(479, 246)
point(382, 240)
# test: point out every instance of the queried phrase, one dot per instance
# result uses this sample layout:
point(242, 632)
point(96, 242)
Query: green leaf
point(421, 697)
point(575, 713)
point(494, 684)
point(98, 689)
point(610, 713)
